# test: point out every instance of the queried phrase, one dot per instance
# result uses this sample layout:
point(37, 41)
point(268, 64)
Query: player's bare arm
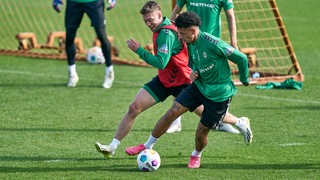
point(232, 27)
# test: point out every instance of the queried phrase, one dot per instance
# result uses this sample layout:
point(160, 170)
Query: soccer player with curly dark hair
point(212, 87)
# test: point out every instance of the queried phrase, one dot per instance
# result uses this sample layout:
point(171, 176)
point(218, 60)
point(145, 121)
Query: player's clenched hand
point(57, 5)
point(112, 4)
point(194, 75)
point(133, 44)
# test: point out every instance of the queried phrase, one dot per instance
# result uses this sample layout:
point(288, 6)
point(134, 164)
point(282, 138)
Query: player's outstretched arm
point(57, 5)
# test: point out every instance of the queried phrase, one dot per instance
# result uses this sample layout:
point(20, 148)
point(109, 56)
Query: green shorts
point(159, 92)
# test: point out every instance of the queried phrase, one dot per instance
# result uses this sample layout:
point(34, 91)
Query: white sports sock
point(108, 69)
point(151, 142)
point(115, 143)
point(72, 69)
point(239, 122)
point(196, 153)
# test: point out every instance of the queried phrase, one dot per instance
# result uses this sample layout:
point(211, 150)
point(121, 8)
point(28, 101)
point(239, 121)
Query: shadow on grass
point(44, 164)
point(113, 168)
point(130, 168)
point(303, 166)
point(57, 159)
point(76, 130)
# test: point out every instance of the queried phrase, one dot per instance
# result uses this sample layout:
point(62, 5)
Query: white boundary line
point(279, 99)
point(292, 144)
point(28, 73)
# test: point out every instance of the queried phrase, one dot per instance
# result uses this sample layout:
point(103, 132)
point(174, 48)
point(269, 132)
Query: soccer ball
point(95, 55)
point(148, 160)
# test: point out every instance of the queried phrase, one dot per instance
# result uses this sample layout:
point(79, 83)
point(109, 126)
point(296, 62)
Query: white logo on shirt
point(208, 68)
point(164, 49)
point(198, 4)
point(204, 54)
point(229, 51)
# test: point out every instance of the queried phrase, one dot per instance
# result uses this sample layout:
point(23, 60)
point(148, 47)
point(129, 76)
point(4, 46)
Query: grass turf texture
point(48, 131)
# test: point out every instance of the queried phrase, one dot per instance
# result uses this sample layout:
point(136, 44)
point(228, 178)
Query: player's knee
point(134, 109)
point(172, 114)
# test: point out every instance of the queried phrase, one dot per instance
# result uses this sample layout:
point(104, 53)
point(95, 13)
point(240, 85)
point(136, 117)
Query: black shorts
point(75, 12)
point(213, 112)
point(159, 92)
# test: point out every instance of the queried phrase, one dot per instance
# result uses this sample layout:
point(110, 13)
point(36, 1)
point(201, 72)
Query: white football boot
point(106, 150)
point(108, 80)
point(73, 80)
point(175, 126)
point(245, 130)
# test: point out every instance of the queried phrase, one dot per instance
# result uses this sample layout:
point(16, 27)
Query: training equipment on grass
point(95, 55)
point(148, 160)
point(261, 33)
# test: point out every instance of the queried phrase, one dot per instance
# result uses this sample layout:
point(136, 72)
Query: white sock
point(72, 69)
point(115, 143)
point(109, 68)
point(177, 121)
point(239, 122)
point(196, 153)
point(151, 142)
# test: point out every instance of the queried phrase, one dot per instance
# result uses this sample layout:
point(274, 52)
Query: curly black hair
point(187, 19)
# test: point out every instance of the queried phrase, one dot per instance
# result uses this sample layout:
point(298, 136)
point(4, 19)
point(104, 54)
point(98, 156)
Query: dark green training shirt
point(209, 13)
point(209, 57)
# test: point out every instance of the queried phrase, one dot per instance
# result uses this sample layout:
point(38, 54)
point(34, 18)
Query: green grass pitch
point(48, 131)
